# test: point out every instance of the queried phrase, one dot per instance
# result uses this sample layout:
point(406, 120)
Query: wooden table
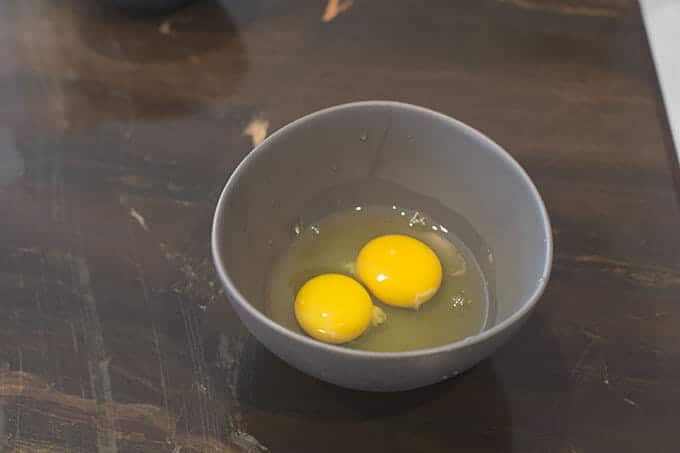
point(117, 134)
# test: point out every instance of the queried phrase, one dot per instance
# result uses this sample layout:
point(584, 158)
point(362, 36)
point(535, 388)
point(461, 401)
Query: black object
point(149, 7)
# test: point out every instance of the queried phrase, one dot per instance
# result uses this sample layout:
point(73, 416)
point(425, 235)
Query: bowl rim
point(235, 295)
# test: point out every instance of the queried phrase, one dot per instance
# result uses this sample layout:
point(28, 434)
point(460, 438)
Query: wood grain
point(117, 134)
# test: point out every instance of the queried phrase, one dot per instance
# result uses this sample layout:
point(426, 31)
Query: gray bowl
point(416, 151)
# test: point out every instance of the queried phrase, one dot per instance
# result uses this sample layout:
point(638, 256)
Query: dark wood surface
point(117, 134)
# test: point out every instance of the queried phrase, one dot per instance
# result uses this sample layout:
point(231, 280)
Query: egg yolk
point(333, 308)
point(399, 270)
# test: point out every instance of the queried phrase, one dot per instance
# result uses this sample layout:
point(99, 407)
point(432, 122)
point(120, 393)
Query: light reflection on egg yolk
point(399, 270)
point(333, 308)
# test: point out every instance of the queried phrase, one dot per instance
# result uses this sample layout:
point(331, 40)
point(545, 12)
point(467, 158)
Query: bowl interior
point(385, 153)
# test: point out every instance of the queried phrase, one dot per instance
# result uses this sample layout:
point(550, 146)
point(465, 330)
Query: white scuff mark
point(3, 422)
point(139, 218)
point(247, 442)
point(12, 167)
point(230, 352)
point(257, 130)
point(630, 401)
point(334, 8)
point(131, 121)
point(165, 28)
point(576, 370)
point(194, 285)
point(98, 358)
point(195, 282)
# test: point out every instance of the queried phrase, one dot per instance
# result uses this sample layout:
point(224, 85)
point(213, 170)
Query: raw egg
point(399, 270)
point(333, 308)
point(331, 245)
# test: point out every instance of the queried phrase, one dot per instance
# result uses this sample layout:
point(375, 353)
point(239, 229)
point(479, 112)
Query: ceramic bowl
point(417, 151)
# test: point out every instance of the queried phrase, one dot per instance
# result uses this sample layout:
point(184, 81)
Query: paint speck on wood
point(139, 218)
point(257, 130)
point(334, 8)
